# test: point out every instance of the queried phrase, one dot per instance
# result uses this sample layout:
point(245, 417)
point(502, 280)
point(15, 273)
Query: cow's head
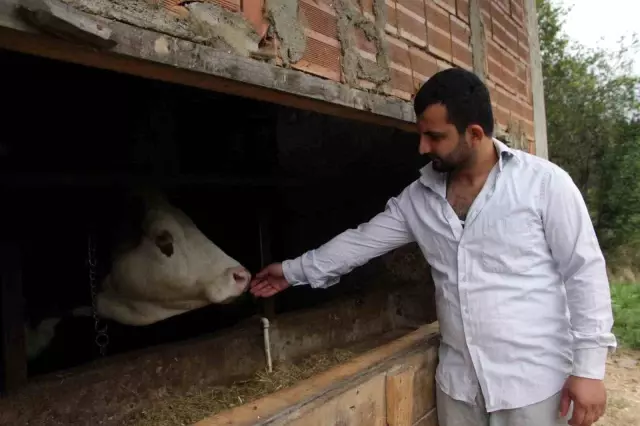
point(173, 269)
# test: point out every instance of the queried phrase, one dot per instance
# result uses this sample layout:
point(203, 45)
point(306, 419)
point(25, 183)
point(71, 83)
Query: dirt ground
point(623, 387)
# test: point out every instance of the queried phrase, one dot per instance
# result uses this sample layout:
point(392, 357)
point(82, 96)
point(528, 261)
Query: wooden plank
point(430, 419)
point(12, 341)
point(400, 396)
point(162, 57)
point(361, 405)
point(411, 389)
point(537, 84)
point(278, 407)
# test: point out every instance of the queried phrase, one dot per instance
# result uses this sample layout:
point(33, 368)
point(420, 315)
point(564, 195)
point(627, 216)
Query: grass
point(626, 310)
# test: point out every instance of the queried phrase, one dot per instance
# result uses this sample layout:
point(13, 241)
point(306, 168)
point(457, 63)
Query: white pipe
point(267, 344)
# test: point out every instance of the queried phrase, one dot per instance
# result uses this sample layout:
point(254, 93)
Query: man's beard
point(440, 165)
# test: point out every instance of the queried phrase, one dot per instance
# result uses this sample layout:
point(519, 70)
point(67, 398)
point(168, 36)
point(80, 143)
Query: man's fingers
point(266, 292)
point(588, 418)
point(263, 273)
point(577, 418)
point(259, 284)
point(565, 403)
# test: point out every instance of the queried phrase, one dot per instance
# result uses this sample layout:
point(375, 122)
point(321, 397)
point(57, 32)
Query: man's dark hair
point(463, 94)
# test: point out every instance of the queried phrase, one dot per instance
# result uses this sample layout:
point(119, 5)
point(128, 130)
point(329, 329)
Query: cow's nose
point(241, 276)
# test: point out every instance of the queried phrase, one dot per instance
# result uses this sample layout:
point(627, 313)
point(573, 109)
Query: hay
point(189, 408)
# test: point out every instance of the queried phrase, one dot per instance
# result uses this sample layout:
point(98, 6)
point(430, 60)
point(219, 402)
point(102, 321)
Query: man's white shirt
point(522, 293)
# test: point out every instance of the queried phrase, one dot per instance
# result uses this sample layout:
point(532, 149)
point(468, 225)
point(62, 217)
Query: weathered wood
point(478, 40)
point(431, 419)
point(361, 405)
point(410, 389)
point(57, 18)
point(292, 403)
point(162, 57)
point(12, 343)
point(537, 84)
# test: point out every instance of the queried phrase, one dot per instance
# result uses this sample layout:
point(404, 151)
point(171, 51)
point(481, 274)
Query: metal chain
point(102, 338)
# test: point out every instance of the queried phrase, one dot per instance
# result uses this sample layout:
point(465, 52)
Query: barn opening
point(262, 181)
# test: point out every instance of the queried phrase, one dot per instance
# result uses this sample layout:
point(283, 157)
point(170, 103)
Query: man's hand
point(269, 281)
point(589, 398)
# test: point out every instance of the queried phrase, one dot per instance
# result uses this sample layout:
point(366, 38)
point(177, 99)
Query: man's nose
point(424, 146)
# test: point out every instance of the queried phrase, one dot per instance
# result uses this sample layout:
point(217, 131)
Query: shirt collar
point(436, 180)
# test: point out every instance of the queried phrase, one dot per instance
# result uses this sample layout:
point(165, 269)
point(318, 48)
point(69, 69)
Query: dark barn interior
point(264, 182)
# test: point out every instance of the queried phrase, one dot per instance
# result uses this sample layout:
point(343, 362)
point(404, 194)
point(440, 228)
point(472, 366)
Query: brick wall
point(422, 37)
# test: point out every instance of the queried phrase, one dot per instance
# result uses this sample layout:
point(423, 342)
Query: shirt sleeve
point(575, 248)
point(324, 266)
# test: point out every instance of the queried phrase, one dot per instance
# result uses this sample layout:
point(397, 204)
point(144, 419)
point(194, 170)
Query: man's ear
point(475, 133)
point(164, 241)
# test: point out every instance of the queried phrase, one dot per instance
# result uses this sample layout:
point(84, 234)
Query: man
point(522, 292)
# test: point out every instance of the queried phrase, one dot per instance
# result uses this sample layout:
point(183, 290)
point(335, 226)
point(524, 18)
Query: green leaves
point(593, 123)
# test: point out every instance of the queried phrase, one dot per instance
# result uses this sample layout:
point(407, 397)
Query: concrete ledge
point(149, 54)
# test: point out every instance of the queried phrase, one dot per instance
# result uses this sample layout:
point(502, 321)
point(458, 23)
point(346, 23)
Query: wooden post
point(12, 341)
point(537, 84)
point(478, 41)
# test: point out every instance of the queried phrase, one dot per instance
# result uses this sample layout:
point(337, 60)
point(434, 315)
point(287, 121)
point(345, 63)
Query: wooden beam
point(149, 54)
point(478, 40)
point(537, 84)
point(12, 335)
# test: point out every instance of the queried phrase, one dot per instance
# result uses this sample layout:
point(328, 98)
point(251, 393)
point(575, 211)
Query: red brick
point(485, 6)
point(399, 52)
point(508, 42)
point(402, 82)
point(411, 28)
point(422, 63)
point(415, 6)
point(523, 53)
point(439, 31)
point(523, 37)
point(508, 63)
point(505, 5)
point(498, 16)
point(532, 147)
point(517, 13)
point(320, 21)
point(438, 17)
point(495, 71)
point(462, 10)
point(233, 5)
point(321, 59)
point(448, 5)
point(460, 31)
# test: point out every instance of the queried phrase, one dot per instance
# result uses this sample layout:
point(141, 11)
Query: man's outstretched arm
point(323, 266)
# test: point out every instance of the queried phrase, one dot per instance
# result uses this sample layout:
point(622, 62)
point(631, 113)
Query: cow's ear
point(164, 241)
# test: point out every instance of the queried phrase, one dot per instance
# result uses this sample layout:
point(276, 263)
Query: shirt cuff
point(590, 363)
point(293, 272)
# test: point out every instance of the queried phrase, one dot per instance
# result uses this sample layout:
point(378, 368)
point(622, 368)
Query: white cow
point(175, 268)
